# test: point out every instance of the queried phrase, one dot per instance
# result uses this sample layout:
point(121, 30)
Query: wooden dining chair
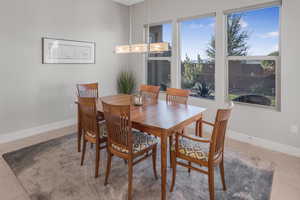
point(93, 131)
point(89, 90)
point(132, 146)
point(205, 152)
point(174, 95)
point(150, 92)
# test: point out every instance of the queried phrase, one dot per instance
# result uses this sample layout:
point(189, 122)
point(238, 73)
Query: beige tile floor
point(286, 183)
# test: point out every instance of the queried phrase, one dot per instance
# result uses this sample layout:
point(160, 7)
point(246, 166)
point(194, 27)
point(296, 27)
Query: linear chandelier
point(142, 47)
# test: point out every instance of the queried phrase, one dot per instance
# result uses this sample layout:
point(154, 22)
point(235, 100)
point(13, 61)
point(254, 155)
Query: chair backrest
point(87, 90)
point(175, 95)
point(118, 124)
point(150, 91)
point(88, 116)
point(219, 131)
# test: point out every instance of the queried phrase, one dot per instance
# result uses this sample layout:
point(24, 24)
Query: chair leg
point(130, 171)
point(108, 167)
point(174, 171)
point(222, 174)
point(97, 161)
point(199, 128)
point(189, 169)
point(211, 183)
point(83, 151)
point(154, 150)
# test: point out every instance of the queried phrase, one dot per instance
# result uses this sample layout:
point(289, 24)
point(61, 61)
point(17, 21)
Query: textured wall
point(33, 94)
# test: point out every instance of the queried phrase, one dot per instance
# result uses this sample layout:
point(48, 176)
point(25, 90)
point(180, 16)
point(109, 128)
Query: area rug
point(52, 171)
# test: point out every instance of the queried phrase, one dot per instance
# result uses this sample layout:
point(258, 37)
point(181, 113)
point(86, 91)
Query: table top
point(158, 114)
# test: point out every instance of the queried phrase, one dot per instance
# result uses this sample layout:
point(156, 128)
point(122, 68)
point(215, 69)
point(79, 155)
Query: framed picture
point(60, 51)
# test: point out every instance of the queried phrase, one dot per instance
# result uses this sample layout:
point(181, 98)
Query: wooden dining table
point(158, 118)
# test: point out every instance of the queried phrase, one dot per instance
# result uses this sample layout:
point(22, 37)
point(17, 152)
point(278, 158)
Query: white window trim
point(254, 7)
point(175, 58)
point(160, 58)
point(277, 59)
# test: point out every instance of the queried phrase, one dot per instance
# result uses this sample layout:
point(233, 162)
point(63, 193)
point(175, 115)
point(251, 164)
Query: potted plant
point(126, 82)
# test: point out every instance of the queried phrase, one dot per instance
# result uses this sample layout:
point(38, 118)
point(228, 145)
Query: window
point(253, 56)
point(198, 56)
point(159, 63)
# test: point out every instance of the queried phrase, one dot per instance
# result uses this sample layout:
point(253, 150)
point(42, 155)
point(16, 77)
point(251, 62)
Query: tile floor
point(286, 183)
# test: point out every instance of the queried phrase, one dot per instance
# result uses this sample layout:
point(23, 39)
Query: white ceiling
point(128, 2)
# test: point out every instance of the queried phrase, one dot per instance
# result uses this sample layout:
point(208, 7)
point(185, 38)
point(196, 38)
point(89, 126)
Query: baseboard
point(263, 143)
point(267, 144)
point(8, 137)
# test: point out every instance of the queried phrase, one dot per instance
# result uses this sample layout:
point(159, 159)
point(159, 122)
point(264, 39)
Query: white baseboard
point(8, 137)
point(267, 144)
point(263, 143)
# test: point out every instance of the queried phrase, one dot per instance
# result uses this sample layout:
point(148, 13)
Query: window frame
point(276, 59)
point(149, 58)
point(179, 49)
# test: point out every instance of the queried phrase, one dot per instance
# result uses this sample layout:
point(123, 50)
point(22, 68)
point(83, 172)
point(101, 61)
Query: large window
point(198, 56)
point(253, 56)
point(159, 63)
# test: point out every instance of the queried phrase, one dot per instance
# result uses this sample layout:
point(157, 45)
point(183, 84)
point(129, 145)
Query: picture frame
point(62, 51)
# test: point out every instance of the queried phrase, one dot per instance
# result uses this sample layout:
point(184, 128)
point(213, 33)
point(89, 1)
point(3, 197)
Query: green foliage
point(191, 70)
point(237, 38)
point(269, 64)
point(203, 89)
point(211, 49)
point(126, 82)
point(191, 74)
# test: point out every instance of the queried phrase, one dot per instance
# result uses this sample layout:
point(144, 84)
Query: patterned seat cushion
point(102, 130)
point(141, 142)
point(193, 149)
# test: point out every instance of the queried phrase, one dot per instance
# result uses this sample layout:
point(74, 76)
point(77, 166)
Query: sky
point(261, 24)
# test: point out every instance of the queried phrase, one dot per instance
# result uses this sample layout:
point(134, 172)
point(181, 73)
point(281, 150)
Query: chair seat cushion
point(193, 149)
point(141, 142)
point(102, 131)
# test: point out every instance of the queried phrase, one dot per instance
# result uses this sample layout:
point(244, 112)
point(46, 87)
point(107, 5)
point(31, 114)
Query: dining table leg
point(163, 142)
point(199, 128)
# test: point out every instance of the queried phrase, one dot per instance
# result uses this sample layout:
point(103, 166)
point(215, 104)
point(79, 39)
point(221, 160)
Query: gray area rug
point(52, 171)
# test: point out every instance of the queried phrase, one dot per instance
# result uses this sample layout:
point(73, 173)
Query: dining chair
point(174, 95)
point(89, 90)
point(150, 92)
point(93, 131)
point(123, 142)
point(205, 152)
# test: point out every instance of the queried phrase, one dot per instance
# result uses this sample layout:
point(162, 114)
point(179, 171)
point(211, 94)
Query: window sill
point(270, 108)
point(202, 98)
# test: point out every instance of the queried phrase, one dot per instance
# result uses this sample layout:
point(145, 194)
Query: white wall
point(33, 94)
point(257, 122)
